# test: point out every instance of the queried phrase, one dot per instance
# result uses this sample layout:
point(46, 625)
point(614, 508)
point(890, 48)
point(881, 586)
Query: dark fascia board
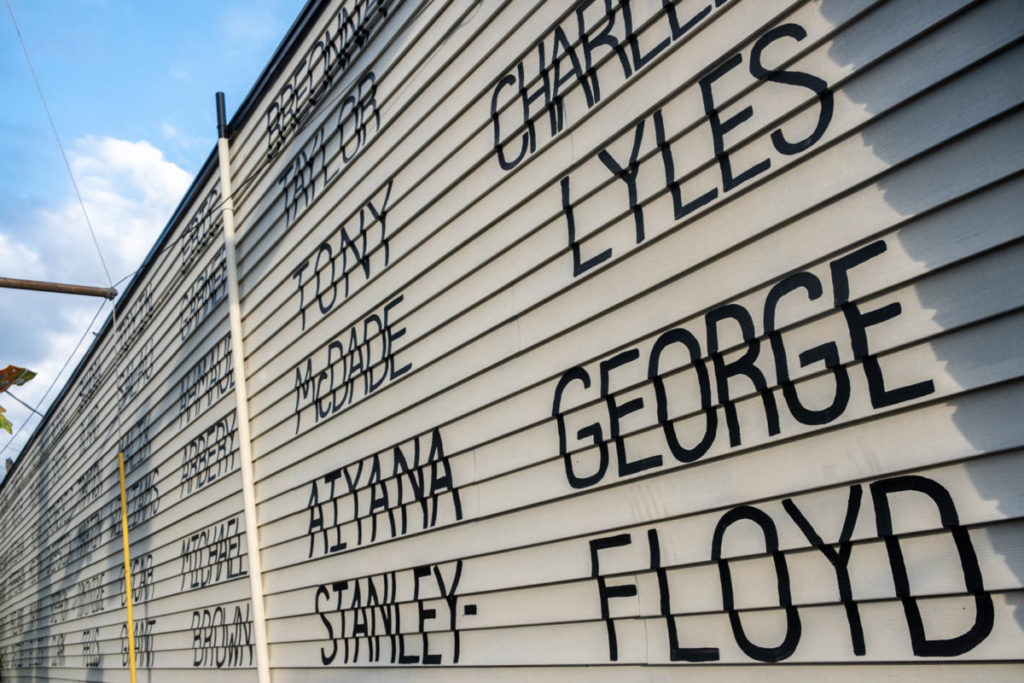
point(282, 55)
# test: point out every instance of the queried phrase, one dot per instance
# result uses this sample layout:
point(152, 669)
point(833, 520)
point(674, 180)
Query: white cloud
point(186, 142)
point(179, 72)
point(18, 260)
point(129, 190)
point(172, 133)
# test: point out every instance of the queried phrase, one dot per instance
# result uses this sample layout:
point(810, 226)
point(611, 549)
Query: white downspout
point(259, 618)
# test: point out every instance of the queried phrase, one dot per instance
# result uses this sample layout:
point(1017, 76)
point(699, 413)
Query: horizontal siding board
point(396, 31)
point(915, 325)
point(905, 299)
point(720, 483)
point(219, 499)
point(694, 589)
point(663, 673)
point(564, 644)
point(543, 477)
point(430, 155)
point(421, 221)
point(523, 329)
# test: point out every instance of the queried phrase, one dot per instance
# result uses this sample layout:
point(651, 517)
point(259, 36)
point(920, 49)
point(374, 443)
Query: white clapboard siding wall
point(584, 341)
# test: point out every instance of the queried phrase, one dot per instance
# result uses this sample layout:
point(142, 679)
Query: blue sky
point(130, 84)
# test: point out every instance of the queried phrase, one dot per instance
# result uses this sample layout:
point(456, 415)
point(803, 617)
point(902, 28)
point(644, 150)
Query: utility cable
point(63, 154)
point(74, 184)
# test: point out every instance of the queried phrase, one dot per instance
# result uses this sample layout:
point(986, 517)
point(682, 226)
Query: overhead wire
point(60, 145)
point(81, 203)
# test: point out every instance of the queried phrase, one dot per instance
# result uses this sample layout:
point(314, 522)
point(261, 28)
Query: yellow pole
point(127, 567)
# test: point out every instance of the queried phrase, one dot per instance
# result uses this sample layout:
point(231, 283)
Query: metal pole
point(60, 288)
point(127, 567)
point(259, 618)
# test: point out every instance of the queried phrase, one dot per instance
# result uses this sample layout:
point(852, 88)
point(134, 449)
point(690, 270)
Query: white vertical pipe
point(259, 619)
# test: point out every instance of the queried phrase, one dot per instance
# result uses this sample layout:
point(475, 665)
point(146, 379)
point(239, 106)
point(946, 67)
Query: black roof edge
point(284, 52)
point(300, 27)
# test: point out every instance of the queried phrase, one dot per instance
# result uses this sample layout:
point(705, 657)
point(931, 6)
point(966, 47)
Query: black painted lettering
point(838, 558)
point(392, 335)
point(681, 29)
point(325, 251)
point(675, 652)
point(381, 215)
point(924, 646)
point(325, 658)
point(542, 93)
point(578, 265)
point(640, 60)
point(353, 353)
point(771, 543)
point(859, 321)
point(448, 593)
point(797, 78)
point(607, 592)
point(528, 135)
point(316, 518)
point(603, 38)
point(616, 412)
point(592, 431)
point(720, 128)
point(297, 276)
point(679, 451)
point(680, 209)
point(343, 36)
point(827, 353)
point(628, 176)
point(562, 46)
point(744, 365)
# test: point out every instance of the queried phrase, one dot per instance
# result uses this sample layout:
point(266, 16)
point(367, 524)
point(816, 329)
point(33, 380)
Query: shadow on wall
point(142, 481)
point(141, 478)
point(88, 583)
point(984, 221)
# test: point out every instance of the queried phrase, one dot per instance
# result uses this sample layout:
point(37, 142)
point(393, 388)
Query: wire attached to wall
point(55, 378)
